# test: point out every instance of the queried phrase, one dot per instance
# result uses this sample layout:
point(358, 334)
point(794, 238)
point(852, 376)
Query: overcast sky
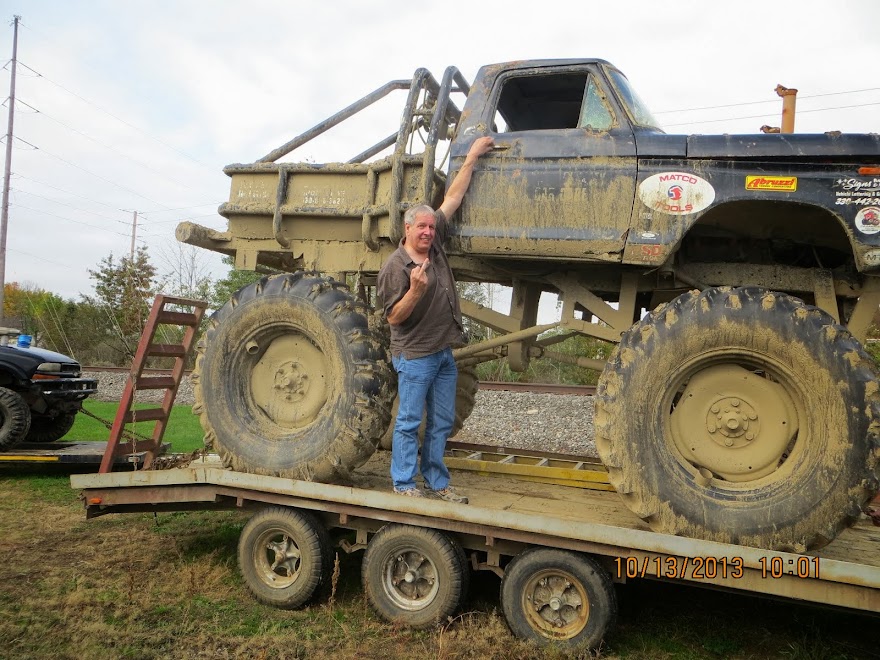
point(125, 106)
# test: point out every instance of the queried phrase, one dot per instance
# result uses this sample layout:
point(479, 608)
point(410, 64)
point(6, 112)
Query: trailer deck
point(69, 453)
point(507, 514)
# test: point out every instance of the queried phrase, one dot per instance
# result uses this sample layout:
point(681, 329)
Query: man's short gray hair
point(412, 213)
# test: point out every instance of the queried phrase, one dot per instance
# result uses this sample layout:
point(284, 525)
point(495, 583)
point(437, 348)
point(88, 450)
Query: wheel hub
point(290, 380)
point(411, 580)
point(280, 560)
point(558, 607)
point(733, 423)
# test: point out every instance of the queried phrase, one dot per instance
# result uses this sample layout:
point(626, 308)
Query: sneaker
point(409, 492)
point(447, 494)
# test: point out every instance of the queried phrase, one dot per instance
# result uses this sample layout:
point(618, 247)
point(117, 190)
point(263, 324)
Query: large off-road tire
point(558, 596)
point(290, 381)
point(413, 575)
point(15, 418)
point(465, 399)
point(50, 429)
point(285, 557)
point(742, 416)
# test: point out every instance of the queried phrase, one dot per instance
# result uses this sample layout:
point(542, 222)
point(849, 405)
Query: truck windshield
point(636, 108)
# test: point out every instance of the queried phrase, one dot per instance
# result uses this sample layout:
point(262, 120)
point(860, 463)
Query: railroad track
point(535, 388)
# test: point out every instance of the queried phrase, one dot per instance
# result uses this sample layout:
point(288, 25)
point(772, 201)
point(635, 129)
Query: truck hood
point(45, 355)
point(855, 146)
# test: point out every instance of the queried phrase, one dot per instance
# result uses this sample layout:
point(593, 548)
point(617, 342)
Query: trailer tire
point(49, 429)
point(290, 381)
point(465, 399)
point(15, 418)
point(285, 557)
point(741, 416)
point(413, 575)
point(558, 596)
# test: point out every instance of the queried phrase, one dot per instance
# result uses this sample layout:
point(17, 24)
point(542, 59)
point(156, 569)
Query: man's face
point(420, 234)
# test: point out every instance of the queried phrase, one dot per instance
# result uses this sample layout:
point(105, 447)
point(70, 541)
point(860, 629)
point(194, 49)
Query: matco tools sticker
point(868, 220)
point(676, 193)
point(774, 183)
point(872, 258)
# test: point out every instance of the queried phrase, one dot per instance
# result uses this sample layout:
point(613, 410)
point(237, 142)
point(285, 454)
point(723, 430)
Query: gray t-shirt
point(435, 322)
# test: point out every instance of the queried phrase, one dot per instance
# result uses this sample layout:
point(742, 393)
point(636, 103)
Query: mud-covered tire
point(558, 596)
point(742, 416)
point(465, 398)
point(414, 575)
point(50, 429)
point(15, 418)
point(290, 381)
point(285, 557)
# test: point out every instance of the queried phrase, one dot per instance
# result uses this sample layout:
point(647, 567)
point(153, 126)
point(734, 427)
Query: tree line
point(103, 328)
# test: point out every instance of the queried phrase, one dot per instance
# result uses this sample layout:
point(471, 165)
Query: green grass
point(183, 431)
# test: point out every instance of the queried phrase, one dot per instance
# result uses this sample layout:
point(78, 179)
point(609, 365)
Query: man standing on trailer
point(417, 291)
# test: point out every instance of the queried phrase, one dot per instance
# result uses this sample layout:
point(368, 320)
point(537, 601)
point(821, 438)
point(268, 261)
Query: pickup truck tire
point(414, 575)
point(50, 429)
point(289, 380)
point(558, 596)
point(742, 416)
point(285, 557)
point(15, 418)
point(465, 399)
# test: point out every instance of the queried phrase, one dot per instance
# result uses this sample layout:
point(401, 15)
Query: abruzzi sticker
point(868, 220)
point(676, 193)
point(778, 183)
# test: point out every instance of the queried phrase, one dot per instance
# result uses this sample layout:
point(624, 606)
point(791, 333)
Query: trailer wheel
point(742, 416)
point(414, 575)
point(465, 400)
point(50, 429)
point(15, 418)
point(558, 596)
point(290, 381)
point(285, 557)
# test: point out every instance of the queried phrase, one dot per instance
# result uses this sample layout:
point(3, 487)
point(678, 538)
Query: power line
point(768, 115)
point(69, 192)
point(107, 146)
point(79, 222)
point(77, 208)
point(98, 176)
point(48, 261)
point(108, 113)
point(735, 105)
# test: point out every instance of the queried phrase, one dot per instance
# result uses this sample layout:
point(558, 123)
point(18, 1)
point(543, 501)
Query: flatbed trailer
point(557, 548)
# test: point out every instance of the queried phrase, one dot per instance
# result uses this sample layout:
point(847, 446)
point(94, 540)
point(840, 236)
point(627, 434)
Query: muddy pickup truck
point(736, 275)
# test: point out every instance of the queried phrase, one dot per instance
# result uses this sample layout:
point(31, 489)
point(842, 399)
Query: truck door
point(562, 181)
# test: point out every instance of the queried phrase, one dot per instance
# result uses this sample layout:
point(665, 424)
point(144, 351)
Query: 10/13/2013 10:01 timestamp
point(711, 568)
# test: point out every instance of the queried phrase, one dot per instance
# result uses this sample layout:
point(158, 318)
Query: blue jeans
point(423, 384)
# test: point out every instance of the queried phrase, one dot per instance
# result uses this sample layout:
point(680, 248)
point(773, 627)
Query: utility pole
point(134, 224)
point(4, 214)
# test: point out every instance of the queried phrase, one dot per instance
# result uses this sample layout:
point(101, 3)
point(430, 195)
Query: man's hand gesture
point(418, 278)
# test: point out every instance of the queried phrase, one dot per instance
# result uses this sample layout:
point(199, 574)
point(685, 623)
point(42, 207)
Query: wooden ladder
point(159, 315)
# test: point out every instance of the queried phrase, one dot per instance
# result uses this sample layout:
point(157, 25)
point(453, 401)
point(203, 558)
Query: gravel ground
point(560, 423)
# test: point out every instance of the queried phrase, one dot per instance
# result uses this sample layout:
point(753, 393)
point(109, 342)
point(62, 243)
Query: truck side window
point(594, 114)
point(542, 102)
